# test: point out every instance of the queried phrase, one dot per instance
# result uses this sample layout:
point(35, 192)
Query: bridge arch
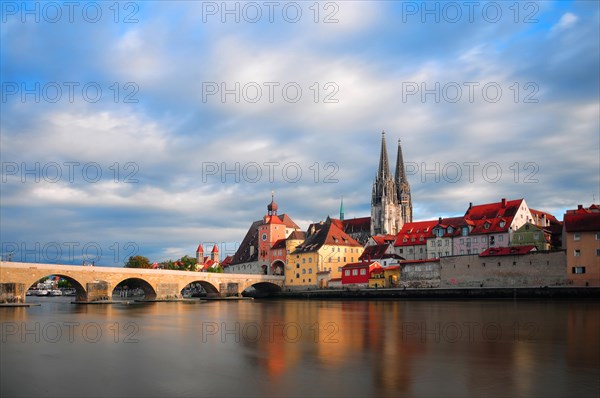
point(261, 289)
point(80, 290)
point(208, 287)
point(135, 282)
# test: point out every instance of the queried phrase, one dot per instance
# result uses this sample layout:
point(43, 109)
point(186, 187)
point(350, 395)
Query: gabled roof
point(382, 239)
point(326, 233)
point(200, 249)
point(288, 222)
point(226, 262)
point(412, 232)
point(353, 225)
point(493, 217)
point(457, 223)
point(537, 214)
point(297, 235)
point(376, 252)
point(507, 251)
point(215, 249)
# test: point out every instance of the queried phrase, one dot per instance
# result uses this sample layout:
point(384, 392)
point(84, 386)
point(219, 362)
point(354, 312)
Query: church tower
point(385, 211)
point(391, 203)
point(403, 189)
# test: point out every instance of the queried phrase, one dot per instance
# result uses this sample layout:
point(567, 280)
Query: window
point(536, 236)
point(462, 241)
point(486, 225)
point(303, 271)
point(432, 243)
point(597, 252)
point(576, 236)
point(462, 252)
point(578, 270)
point(520, 238)
point(297, 275)
point(501, 238)
point(450, 230)
point(339, 269)
point(347, 272)
point(338, 259)
point(502, 223)
point(447, 243)
point(483, 239)
point(363, 271)
point(439, 242)
point(447, 254)
point(344, 259)
point(310, 259)
point(410, 250)
point(475, 251)
point(597, 235)
point(297, 265)
point(475, 240)
point(577, 253)
point(465, 231)
point(401, 251)
point(303, 261)
point(354, 272)
point(309, 280)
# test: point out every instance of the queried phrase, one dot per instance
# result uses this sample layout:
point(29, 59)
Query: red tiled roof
point(492, 215)
point(272, 220)
point(415, 230)
point(297, 235)
point(382, 239)
point(582, 222)
point(507, 251)
point(215, 249)
point(326, 233)
point(547, 216)
point(226, 262)
point(199, 249)
point(361, 265)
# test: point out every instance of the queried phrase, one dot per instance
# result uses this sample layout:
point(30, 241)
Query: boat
point(55, 292)
point(42, 292)
point(30, 292)
point(69, 292)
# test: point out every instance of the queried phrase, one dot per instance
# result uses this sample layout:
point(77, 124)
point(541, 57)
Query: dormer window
point(465, 231)
point(486, 225)
point(405, 240)
point(502, 224)
point(440, 232)
point(450, 230)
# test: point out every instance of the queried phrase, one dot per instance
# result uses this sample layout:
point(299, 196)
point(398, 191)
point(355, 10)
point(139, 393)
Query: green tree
point(138, 262)
point(218, 269)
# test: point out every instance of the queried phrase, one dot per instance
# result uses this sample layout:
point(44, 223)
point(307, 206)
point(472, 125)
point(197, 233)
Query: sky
point(151, 127)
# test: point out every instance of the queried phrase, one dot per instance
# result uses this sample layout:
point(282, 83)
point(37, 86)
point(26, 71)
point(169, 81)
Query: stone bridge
point(97, 283)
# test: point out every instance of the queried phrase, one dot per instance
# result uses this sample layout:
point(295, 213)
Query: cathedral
point(391, 204)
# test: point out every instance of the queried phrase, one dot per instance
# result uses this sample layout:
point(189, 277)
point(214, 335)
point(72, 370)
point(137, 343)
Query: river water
point(276, 348)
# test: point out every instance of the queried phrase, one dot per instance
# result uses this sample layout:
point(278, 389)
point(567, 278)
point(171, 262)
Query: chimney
point(440, 220)
point(470, 205)
point(503, 202)
point(579, 207)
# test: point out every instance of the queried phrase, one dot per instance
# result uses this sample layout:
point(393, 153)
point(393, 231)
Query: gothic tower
point(385, 211)
point(403, 189)
point(391, 203)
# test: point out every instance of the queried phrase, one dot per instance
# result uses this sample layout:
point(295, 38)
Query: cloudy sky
point(149, 127)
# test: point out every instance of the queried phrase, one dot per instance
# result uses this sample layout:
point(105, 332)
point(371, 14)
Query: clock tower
point(270, 231)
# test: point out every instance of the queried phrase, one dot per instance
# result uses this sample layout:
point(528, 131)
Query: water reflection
point(305, 348)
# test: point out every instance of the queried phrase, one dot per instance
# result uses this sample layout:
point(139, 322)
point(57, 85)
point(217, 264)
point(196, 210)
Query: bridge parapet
point(97, 283)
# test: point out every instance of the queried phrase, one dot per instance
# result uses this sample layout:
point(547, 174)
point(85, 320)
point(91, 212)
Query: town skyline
point(145, 163)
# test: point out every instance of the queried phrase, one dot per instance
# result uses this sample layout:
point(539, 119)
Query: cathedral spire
point(342, 209)
point(400, 173)
point(384, 165)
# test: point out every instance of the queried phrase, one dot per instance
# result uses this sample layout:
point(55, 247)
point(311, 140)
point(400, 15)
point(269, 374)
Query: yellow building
point(325, 250)
point(385, 277)
point(581, 238)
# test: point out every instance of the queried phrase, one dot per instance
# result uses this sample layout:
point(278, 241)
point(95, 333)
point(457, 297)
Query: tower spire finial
point(342, 209)
point(384, 165)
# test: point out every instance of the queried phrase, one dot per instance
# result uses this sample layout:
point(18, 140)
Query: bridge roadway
point(97, 283)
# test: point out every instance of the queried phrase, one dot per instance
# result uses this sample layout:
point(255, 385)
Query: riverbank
point(449, 293)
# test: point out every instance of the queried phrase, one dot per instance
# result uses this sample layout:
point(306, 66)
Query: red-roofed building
point(443, 243)
point(491, 225)
point(384, 253)
point(320, 257)
point(358, 274)
point(264, 248)
point(581, 239)
point(411, 241)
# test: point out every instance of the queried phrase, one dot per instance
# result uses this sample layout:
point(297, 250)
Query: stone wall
point(532, 269)
point(420, 275)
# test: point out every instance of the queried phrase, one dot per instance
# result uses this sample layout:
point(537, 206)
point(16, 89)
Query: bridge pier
point(97, 291)
point(166, 291)
point(229, 289)
point(12, 293)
